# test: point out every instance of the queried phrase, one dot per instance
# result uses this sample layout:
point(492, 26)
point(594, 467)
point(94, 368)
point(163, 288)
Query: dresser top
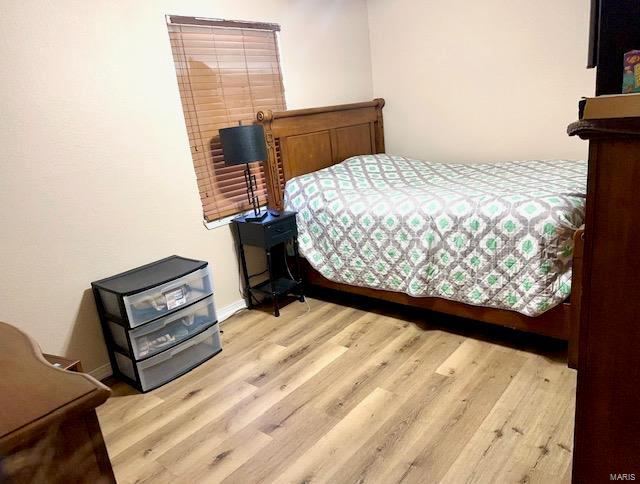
point(605, 128)
point(33, 393)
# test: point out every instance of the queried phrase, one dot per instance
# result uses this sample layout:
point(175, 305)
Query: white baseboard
point(101, 372)
point(226, 312)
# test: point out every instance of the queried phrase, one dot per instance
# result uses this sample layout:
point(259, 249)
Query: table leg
point(245, 274)
point(274, 296)
point(296, 255)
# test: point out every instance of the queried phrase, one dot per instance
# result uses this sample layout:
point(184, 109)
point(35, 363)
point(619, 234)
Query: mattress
point(493, 234)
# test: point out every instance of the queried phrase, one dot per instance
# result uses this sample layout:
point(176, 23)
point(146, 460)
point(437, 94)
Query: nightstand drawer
point(280, 231)
point(267, 233)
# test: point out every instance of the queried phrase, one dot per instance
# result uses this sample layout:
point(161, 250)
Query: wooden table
point(49, 431)
point(267, 234)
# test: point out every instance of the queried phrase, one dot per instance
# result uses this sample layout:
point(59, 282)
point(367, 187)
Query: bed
point(498, 243)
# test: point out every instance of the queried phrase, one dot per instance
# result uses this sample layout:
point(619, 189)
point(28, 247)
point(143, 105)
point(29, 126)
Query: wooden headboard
point(305, 140)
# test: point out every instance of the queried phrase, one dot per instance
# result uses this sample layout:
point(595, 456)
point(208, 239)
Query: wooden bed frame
point(305, 140)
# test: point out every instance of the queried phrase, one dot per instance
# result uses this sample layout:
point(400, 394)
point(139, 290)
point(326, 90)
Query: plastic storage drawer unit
point(165, 332)
point(171, 363)
point(158, 320)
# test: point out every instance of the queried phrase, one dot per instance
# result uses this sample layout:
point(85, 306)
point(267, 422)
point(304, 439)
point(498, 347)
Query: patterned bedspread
point(496, 235)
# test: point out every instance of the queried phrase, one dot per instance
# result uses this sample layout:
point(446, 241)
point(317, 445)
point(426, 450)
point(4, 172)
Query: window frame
point(217, 216)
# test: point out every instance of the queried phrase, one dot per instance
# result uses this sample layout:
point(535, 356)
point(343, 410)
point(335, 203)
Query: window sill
point(226, 220)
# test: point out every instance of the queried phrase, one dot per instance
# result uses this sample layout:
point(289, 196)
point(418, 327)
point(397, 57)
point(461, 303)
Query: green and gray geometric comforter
point(496, 235)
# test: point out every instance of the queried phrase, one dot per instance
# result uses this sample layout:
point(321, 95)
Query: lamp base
point(255, 218)
point(254, 199)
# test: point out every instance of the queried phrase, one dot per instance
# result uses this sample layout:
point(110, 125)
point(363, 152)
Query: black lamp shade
point(243, 144)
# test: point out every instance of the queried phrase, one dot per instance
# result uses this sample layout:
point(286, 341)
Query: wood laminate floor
point(346, 395)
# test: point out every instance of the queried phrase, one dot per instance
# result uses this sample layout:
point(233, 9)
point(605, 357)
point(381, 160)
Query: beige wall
point(480, 80)
point(95, 173)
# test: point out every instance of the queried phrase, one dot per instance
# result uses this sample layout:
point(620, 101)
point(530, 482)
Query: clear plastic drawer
point(160, 300)
point(167, 331)
point(171, 363)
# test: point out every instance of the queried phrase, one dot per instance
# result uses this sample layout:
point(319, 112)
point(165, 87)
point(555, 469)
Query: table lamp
point(244, 145)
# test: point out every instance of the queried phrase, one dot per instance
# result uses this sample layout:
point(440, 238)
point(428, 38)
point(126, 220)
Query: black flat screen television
point(592, 60)
point(614, 29)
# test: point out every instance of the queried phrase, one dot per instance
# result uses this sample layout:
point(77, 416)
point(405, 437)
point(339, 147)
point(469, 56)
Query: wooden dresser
point(607, 431)
point(49, 431)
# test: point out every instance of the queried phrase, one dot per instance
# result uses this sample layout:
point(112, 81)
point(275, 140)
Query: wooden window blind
point(227, 71)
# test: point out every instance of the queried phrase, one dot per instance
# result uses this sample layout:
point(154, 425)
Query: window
point(227, 71)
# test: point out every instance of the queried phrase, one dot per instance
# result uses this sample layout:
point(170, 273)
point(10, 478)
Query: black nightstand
point(269, 233)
